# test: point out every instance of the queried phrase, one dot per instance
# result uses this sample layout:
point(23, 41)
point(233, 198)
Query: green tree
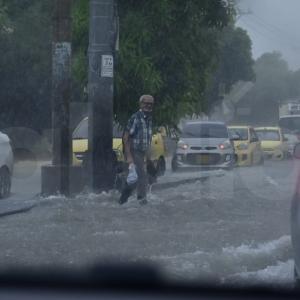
point(25, 65)
point(294, 84)
point(3, 18)
point(235, 62)
point(167, 48)
point(271, 87)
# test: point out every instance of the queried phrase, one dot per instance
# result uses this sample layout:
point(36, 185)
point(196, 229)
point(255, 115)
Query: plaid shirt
point(140, 130)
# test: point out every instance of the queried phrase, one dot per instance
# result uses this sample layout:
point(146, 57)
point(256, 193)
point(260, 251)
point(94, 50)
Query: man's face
point(147, 105)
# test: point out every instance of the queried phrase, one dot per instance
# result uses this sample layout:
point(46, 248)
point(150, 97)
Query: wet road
point(232, 229)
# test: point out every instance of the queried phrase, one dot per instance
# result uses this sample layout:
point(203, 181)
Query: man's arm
point(127, 144)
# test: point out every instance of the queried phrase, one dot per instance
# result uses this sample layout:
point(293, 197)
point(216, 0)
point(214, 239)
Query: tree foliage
point(3, 18)
point(168, 48)
point(172, 49)
point(274, 84)
point(25, 64)
point(235, 62)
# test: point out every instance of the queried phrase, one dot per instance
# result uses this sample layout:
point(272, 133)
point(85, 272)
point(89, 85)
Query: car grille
point(203, 158)
point(80, 155)
point(210, 148)
point(83, 155)
point(203, 148)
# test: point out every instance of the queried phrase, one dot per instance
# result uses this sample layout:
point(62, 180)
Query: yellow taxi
point(80, 146)
point(273, 142)
point(247, 146)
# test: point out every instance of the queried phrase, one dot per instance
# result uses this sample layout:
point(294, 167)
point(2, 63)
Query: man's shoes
point(143, 201)
point(125, 194)
point(122, 200)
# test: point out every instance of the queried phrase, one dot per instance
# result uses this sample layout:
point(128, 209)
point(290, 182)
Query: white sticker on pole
point(107, 66)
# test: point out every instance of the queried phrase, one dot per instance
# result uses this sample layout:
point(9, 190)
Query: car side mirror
point(297, 151)
point(235, 137)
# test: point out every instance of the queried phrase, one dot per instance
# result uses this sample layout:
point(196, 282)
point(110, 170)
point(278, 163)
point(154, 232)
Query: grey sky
point(273, 25)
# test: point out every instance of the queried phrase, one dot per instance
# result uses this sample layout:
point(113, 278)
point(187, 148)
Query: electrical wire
point(276, 30)
point(270, 34)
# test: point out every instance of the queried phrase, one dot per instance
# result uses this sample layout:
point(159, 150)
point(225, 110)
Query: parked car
point(290, 125)
point(295, 217)
point(6, 165)
point(80, 146)
point(292, 140)
point(204, 144)
point(247, 145)
point(273, 142)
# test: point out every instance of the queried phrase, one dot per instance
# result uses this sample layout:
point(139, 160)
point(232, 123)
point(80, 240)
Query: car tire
point(251, 160)
point(232, 164)
point(161, 166)
point(174, 164)
point(262, 161)
point(235, 160)
point(296, 279)
point(5, 183)
point(229, 168)
point(278, 156)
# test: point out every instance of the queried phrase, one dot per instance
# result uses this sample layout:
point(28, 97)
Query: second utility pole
point(56, 177)
point(100, 94)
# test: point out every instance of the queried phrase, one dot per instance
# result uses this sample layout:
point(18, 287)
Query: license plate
point(202, 159)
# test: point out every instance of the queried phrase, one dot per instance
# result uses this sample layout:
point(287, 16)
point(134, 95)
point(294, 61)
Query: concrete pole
point(100, 94)
point(55, 178)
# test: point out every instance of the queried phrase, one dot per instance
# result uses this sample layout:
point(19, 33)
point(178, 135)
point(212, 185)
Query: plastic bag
point(132, 176)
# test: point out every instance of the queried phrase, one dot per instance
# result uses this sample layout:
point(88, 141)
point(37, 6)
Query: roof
point(204, 122)
point(242, 127)
point(291, 100)
point(289, 116)
point(267, 128)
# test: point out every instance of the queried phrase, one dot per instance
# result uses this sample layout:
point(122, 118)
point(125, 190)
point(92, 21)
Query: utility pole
point(100, 93)
point(56, 177)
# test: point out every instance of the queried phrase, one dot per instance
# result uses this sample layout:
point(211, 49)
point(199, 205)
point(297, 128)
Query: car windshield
point(118, 139)
point(290, 124)
point(204, 131)
point(268, 135)
point(81, 131)
point(242, 133)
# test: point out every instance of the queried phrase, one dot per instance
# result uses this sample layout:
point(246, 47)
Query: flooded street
point(232, 229)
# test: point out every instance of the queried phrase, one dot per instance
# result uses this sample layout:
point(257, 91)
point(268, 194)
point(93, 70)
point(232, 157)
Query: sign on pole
point(107, 66)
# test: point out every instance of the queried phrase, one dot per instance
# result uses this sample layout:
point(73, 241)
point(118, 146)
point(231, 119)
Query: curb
point(166, 185)
point(16, 206)
point(16, 211)
point(155, 187)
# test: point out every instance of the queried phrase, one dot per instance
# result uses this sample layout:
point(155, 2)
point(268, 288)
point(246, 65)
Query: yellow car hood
point(117, 144)
point(271, 145)
point(81, 145)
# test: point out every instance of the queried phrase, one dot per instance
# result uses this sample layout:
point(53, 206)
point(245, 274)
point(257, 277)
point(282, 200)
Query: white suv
point(204, 144)
point(6, 165)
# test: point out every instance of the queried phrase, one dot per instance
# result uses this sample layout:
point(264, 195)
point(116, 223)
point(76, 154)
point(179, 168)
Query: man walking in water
point(137, 142)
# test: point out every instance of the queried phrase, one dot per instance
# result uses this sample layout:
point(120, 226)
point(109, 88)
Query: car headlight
point(242, 147)
point(225, 145)
point(182, 145)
